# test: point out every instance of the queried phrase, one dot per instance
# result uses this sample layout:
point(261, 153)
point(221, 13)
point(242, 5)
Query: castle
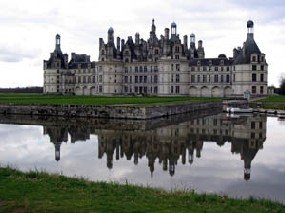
point(163, 66)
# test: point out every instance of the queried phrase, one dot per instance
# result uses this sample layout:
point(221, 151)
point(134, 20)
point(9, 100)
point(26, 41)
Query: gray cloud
point(12, 54)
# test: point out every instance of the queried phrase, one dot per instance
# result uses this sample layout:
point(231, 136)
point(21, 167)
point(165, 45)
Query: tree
point(282, 85)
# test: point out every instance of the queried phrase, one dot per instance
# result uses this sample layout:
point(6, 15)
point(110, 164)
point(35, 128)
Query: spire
point(153, 26)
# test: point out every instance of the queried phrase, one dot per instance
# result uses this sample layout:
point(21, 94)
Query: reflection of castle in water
point(171, 142)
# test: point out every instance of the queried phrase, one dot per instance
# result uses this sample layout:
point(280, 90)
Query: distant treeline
point(22, 90)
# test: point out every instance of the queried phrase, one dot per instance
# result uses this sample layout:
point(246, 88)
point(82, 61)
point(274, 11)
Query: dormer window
point(102, 52)
point(222, 62)
point(210, 62)
point(253, 58)
point(262, 58)
point(177, 49)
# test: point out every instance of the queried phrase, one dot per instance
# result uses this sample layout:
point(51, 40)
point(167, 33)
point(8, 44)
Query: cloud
point(16, 54)
point(221, 24)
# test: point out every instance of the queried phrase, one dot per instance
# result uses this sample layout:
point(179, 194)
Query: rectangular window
point(100, 78)
point(100, 89)
point(145, 79)
point(216, 68)
point(228, 79)
point(155, 79)
point(126, 79)
point(204, 78)
point(141, 79)
point(141, 68)
point(253, 68)
point(177, 79)
point(222, 78)
point(136, 79)
point(192, 78)
point(177, 67)
point(176, 57)
point(171, 89)
point(253, 77)
point(145, 68)
point(198, 78)
point(204, 68)
point(136, 90)
point(261, 77)
point(136, 69)
point(253, 89)
point(177, 89)
point(130, 79)
point(155, 90)
point(216, 78)
point(261, 89)
point(262, 67)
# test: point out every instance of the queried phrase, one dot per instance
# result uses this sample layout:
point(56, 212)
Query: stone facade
point(164, 66)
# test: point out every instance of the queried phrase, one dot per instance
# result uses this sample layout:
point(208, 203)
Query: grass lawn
point(28, 99)
point(40, 192)
point(272, 102)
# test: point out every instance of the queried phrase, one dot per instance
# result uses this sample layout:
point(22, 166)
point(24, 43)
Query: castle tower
point(250, 25)
point(153, 27)
point(111, 35)
point(173, 29)
point(137, 38)
point(57, 150)
point(192, 40)
point(57, 44)
point(200, 50)
point(166, 33)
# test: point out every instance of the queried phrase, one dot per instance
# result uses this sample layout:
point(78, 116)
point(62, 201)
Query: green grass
point(40, 192)
point(40, 99)
point(271, 102)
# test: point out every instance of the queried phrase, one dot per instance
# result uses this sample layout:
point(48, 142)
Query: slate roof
point(250, 47)
point(212, 61)
point(55, 56)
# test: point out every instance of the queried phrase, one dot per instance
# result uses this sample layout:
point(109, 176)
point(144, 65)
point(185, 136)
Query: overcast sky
point(28, 29)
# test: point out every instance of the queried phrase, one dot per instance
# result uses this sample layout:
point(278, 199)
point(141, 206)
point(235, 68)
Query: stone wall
point(118, 111)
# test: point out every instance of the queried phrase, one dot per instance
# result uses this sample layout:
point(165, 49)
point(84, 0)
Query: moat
point(238, 156)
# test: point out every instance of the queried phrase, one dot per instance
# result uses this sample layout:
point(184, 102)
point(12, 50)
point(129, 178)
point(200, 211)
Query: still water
point(236, 156)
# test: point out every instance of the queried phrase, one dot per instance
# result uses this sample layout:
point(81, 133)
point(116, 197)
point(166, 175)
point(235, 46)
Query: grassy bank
point(28, 99)
point(271, 102)
point(38, 192)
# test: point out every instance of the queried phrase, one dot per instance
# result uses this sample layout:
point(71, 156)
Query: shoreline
point(136, 112)
point(40, 191)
